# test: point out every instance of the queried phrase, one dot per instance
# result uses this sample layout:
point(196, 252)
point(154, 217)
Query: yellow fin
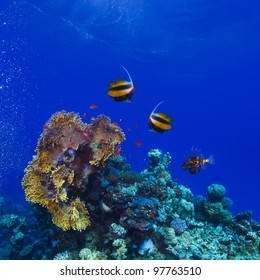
point(111, 84)
point(169, 118)
point(121, 82)
point(163, 115)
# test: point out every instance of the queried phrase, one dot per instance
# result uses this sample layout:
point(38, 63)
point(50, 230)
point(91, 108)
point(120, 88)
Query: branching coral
point(68, 152)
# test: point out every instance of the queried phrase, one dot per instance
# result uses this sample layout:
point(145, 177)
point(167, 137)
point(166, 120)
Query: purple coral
point(179, 225)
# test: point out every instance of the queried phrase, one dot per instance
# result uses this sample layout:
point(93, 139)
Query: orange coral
point(105, 138)
point(37, 187)
point(71, 216)
point(68, 152)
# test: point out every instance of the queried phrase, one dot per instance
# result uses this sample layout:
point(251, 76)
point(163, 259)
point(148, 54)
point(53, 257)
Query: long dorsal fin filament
point(128, 74)
point(157, 106)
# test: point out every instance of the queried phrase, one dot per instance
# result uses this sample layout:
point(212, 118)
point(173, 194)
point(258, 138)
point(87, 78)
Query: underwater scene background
point(99, 184)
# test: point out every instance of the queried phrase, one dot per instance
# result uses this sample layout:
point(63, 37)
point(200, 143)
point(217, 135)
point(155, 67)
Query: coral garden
point(87, 203)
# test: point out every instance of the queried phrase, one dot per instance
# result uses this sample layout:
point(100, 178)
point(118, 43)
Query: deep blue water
point(201, 57)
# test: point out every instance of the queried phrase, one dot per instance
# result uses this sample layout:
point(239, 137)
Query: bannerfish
point(121, 90)
point(159, 122)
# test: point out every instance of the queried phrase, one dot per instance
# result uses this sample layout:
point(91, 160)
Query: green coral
point(63, 256)
point(88, 254)
point(216, 213)
point(119, 249)
point(9, 221)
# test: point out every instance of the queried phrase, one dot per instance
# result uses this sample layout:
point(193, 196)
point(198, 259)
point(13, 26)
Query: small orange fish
point(178, 192)
point(52, 204)
point(138, 144)
point(117, 153)
point(93, 106)
point(85, 115)
point(74, 143)
point(112, 178)
point(45, 127)
point(115, 123)
point(86, 135)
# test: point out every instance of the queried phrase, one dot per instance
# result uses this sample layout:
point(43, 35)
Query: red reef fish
point(93, 106)
point(74, 143)
point(45, 127)
point(86, 135)
point(138, 144)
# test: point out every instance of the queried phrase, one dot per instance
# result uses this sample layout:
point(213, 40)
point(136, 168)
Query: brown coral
point(68, 152)
point(71, 216)
point(37, 187)
point(105, 139)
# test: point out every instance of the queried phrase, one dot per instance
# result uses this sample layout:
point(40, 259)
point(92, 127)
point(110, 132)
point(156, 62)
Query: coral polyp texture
point(69, 154)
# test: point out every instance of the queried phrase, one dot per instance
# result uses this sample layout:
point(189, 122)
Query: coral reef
point(115, 212)
point(69, 153)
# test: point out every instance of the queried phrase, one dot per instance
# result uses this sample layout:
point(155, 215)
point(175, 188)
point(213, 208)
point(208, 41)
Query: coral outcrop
point(69, 152)
point(133, 215)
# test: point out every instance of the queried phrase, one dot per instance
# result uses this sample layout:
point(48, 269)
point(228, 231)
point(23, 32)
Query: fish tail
point(211, 159)
point(128, 74)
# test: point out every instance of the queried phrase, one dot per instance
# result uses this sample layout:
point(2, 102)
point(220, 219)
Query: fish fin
point(211, 159)
point(161, 114)
point(111, 84)
point(204, 167)
point(121, 82)
point(169, 118)
point(128, 74)
point(157, 106)
point(194, 152)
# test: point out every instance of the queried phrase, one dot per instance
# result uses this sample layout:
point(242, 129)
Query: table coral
point(68, 152)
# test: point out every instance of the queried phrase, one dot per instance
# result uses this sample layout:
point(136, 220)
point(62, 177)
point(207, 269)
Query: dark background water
point(201, 57)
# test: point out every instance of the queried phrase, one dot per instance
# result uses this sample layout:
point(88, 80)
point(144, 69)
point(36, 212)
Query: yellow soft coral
point(37, 187)
point(68, 152)
point(73, 216)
